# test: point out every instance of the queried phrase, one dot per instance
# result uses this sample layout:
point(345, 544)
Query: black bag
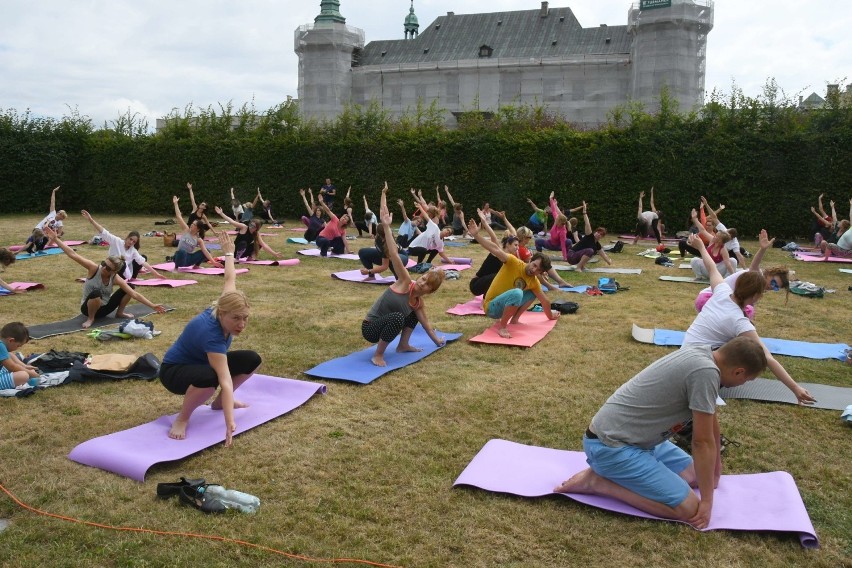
point(564, 307)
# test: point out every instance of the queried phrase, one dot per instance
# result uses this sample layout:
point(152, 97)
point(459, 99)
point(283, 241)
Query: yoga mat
point(576, 289)
point(132, 452)
point(39, 254)
point(282, 262)
point(769, 390)
point(531, 329)
point(461, 260)
point(684, 279)
point(846, 270)
point(744, 502)
point(470, 308)
point(358, 368)
point(297, 240)
point(455, 244)
point(72, 325)
point(316, 252)
point(458, 267)
point(22, 286)
point(634, 238)
point(356, 276)
point(806, 258)
point(787, 347)
point(170, 266)
point(572, 268)
point(51, 246)
point(162, 282)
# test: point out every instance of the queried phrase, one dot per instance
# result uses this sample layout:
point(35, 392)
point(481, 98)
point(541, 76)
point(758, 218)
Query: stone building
point(480, 62)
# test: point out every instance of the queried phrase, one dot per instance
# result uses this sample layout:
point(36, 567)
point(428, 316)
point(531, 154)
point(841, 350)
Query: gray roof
point(522, 33)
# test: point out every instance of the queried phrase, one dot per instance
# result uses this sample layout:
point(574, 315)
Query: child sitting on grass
point(13, 372)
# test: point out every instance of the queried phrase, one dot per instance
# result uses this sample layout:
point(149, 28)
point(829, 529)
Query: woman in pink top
point(333, 234)
point(558, 232)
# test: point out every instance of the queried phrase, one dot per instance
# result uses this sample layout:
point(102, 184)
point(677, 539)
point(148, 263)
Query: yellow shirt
point(513, 274)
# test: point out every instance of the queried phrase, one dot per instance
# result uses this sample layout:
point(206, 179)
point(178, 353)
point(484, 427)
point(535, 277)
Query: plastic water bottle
point(233, 499)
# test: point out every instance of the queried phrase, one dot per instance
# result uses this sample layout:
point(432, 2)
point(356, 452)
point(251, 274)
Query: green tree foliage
point(763, 157)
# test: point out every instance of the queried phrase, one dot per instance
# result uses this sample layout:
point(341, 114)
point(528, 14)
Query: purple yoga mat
point(356, 276)
point(316, 252)
point(812, 258)
point(170, 266)
point(132, 452)
point(282, 262)
point(750, 502)
point(461, 260)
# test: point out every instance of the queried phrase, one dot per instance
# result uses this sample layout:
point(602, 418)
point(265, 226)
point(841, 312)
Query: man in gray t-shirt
point(627, 445)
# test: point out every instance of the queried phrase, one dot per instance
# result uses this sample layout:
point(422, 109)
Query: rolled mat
point(788, 347)
point(531, 329)
point(358, 367)
point(132, 452)
point(744, 502)
point(73, 325)
point(167, 282)
point(461, 260)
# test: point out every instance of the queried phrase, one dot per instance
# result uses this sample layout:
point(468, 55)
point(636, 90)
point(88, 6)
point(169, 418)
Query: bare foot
point(123, 315)
point(504, 333)
point(87, 324)
point(582, 482)
point(217, 404)
point(407, 349)
point(178, 430)
point(379, 361)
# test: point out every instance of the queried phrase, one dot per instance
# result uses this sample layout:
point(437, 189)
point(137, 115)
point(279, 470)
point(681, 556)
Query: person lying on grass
point(627, 442)
point(723, 316)
point(199, 361)
point(98, 299)
point(516, 284)
point(401, 306)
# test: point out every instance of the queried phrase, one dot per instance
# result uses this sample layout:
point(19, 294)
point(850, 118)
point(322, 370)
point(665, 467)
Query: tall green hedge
point(767, 167)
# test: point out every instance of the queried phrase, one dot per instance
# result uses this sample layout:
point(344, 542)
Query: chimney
point(800, 101)
point(832, 90)
point(544, 9)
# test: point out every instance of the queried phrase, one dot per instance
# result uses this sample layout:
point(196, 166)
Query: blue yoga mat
point(45, 252)
point(775, 346)
point(357, 367)
point(577, 289)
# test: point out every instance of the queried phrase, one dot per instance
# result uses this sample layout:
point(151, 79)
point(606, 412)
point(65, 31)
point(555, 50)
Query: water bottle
point(233, 499)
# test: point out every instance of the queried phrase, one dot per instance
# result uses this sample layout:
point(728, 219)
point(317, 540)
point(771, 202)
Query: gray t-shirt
point(659, 401)
point(389, 302)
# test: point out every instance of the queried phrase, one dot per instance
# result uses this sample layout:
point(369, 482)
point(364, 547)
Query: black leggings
point(420, 253)
point(479, 284)
point(105, 309)
point(642, 230)
point(388, 326)
point(685, 248)
point(178, 378)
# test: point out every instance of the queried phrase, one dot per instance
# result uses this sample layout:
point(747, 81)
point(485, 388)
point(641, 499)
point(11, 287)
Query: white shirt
point(720, 320)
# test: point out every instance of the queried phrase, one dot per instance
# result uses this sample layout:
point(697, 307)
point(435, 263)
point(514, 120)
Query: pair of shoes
point(166, 490)
point(196, 497)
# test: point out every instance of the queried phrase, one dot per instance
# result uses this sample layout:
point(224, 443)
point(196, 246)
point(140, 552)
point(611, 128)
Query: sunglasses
point(774, 285)
point(109, 267)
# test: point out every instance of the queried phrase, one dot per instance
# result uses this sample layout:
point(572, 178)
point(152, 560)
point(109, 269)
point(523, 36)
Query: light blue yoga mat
point(357, 367)
point(775, 346)
point(297, 240)
point(577, 289)
point(45, 252)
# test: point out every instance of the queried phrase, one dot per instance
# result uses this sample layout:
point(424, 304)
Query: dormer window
point(485, 51)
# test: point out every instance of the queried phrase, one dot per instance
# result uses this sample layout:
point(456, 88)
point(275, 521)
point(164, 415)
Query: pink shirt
point(332, 229)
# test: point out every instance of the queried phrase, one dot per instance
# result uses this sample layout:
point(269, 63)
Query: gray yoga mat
point(828, 397)
point(689, 279)
point(73, 324)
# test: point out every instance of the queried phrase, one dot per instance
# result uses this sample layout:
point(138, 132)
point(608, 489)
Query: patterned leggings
point(388, 326)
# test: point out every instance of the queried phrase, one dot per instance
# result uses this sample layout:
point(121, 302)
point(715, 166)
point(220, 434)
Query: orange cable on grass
point(193, 535)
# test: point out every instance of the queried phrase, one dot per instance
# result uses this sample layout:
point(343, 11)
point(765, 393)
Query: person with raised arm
point(724, 317)
point(369, 224)
point(843, 247)
point(200, 360)
point(38, 240)
point(376, 259)
point(401, 306)
point(407, 229)
point(515, 286)
point(559, 239)
point(537, 222)
point(459, 225)
point(333, 235)
point(268, 217)
point(98, 299)
point(313, 220)
point(430, 242)
point(126, 248)
point(588, 245)
point(236, 206)
point(649, 222)
point(199, 211)
point(191, 238)
point(249, 240)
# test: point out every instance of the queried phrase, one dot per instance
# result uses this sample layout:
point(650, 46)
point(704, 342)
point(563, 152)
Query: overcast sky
point(103, 57)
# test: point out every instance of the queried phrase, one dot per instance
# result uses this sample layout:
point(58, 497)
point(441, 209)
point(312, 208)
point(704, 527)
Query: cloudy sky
point(105, 57)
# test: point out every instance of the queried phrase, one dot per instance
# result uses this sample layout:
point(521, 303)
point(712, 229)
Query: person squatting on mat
point(126, 248)
point(588, 245)
point(38, 240)
point(333, 235)
point(777, 277)
point(401, 305)
point(376, 259)
point(430, 242)
point(13, 371)
point(192, 237)
point(723, 317)
point(559, 240)
point(199, 361)
point(98, 300)
point(249, 241)
point(627, 442)
point(516, 284)
point(843, 247)
point(313, 221)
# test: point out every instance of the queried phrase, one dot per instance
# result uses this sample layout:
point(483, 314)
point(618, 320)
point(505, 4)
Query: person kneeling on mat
point(199, 361)
point(627, 443)
point(401, 305)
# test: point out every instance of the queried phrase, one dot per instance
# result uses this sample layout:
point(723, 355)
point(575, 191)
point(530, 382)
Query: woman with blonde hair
point(400, 307)
point(199, 361)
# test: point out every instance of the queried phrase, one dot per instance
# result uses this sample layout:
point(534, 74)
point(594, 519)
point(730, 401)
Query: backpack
point(564, 307)
point(421, 268)
point(664, 261)
point(169, 239)
point(807, 289)
point(607, 285)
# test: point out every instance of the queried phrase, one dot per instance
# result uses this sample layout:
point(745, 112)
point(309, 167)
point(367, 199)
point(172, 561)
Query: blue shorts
point(653, 474)
point(7, 381)
point(513, 297)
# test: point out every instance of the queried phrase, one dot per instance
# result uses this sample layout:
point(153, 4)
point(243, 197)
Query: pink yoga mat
point(531, 329)
point(26, 286)
point(282, 262)
point(170, 267)
point(470, 308)
point(132, 452)
point(458, 267)
point(750, 502)
point(16, 248)
point(812, 258)
point(162, 282)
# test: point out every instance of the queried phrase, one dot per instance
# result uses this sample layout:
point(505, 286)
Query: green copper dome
point(330, 12)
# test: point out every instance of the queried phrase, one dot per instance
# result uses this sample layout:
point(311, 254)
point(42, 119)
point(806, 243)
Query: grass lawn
point(365, 472)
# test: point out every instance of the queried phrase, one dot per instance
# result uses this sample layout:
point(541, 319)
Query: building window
point(485, 51)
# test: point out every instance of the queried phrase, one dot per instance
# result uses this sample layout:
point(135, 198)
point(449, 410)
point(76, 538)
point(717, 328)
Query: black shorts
point(178, 378)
